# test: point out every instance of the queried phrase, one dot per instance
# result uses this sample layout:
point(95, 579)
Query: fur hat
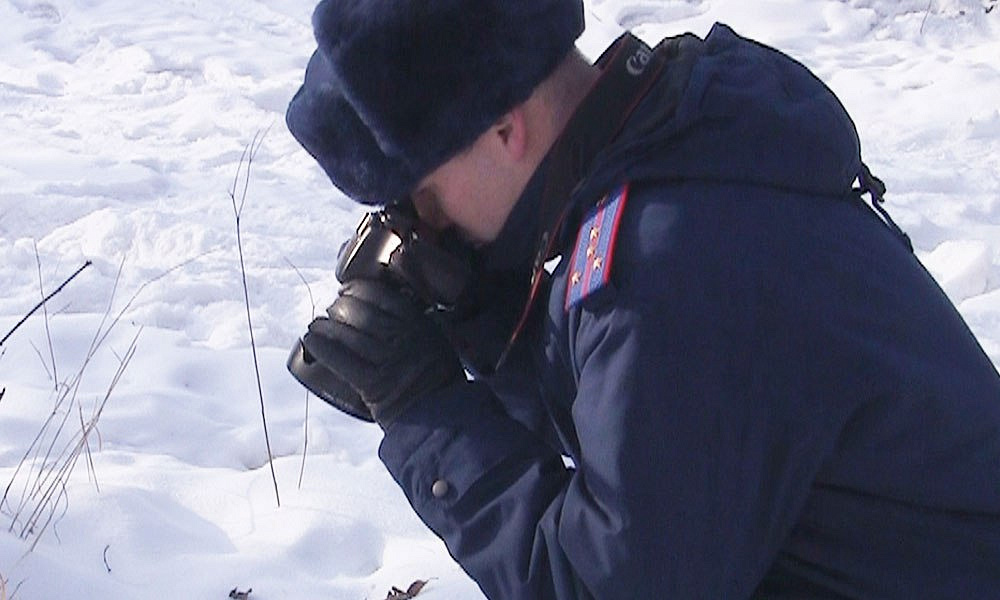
point(398, 87)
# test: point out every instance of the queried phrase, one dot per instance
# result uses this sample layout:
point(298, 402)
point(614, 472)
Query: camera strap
point(629, 69)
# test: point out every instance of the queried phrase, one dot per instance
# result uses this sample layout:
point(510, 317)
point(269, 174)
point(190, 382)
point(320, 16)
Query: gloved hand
point(378, 344)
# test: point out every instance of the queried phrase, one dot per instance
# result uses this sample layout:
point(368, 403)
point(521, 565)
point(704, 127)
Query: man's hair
point(563, 90)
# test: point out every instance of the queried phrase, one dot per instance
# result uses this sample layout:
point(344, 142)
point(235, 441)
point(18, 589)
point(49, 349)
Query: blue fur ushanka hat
point(398, 87)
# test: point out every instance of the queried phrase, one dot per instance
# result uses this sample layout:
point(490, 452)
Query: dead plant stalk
point(305, 424)
point(249, 152)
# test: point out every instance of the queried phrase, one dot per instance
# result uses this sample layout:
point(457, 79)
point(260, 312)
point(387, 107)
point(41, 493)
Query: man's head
point(476, 190)
point(398, 88)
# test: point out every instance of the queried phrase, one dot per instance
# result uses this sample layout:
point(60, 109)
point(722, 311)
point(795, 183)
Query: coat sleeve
point(712, 382)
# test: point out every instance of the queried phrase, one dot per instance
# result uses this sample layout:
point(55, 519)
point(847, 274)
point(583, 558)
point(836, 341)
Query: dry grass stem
point(305, 421)
point(242, 180)
point(42, 303)
point(45, 314)
point(49, 460)
point(36, 497)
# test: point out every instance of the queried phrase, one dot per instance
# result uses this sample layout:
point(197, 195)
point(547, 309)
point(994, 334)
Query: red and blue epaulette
point(590, 269)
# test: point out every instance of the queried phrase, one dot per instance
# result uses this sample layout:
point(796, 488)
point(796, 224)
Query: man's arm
point(709, 393)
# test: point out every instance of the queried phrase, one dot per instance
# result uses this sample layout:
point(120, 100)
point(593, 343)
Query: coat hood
point(748, 114)
point(724, 109)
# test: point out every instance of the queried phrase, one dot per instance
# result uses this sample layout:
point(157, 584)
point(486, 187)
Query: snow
point(123, 127)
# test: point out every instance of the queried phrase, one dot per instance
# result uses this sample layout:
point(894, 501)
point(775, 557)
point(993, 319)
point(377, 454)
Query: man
point(736, 382)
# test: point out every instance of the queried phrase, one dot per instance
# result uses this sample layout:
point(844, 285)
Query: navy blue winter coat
point(770, 398)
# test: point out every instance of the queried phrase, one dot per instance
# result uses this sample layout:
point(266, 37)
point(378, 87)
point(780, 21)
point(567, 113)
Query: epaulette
point(590, 269)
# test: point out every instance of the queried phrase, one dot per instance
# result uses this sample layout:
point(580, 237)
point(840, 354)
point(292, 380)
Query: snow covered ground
point(122, 125)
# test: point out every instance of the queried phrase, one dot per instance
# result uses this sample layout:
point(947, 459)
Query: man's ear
point(511, 132)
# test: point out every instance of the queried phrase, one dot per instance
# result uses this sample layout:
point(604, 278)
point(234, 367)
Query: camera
point(392, 245)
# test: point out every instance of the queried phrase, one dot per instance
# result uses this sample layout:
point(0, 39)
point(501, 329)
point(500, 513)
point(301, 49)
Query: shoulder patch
point(590, 266)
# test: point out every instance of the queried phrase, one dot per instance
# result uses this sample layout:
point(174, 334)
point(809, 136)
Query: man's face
point(473, 192)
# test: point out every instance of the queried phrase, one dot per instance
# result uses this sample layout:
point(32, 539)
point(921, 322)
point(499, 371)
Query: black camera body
point(390, 245)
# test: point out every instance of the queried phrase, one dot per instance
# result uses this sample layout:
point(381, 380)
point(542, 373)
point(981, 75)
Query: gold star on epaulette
point(592, 261)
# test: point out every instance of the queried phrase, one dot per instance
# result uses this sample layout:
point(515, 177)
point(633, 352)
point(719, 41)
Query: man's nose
point(429, 211)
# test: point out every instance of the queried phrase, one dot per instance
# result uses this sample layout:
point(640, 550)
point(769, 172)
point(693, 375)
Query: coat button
point(440, 488)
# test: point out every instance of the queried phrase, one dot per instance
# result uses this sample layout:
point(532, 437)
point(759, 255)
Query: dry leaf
point(411, 592)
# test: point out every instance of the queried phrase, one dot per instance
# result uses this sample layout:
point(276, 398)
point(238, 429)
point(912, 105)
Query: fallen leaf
point(411, 592)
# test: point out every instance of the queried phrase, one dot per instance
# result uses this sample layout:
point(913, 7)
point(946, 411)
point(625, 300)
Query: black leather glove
point(381, 351)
